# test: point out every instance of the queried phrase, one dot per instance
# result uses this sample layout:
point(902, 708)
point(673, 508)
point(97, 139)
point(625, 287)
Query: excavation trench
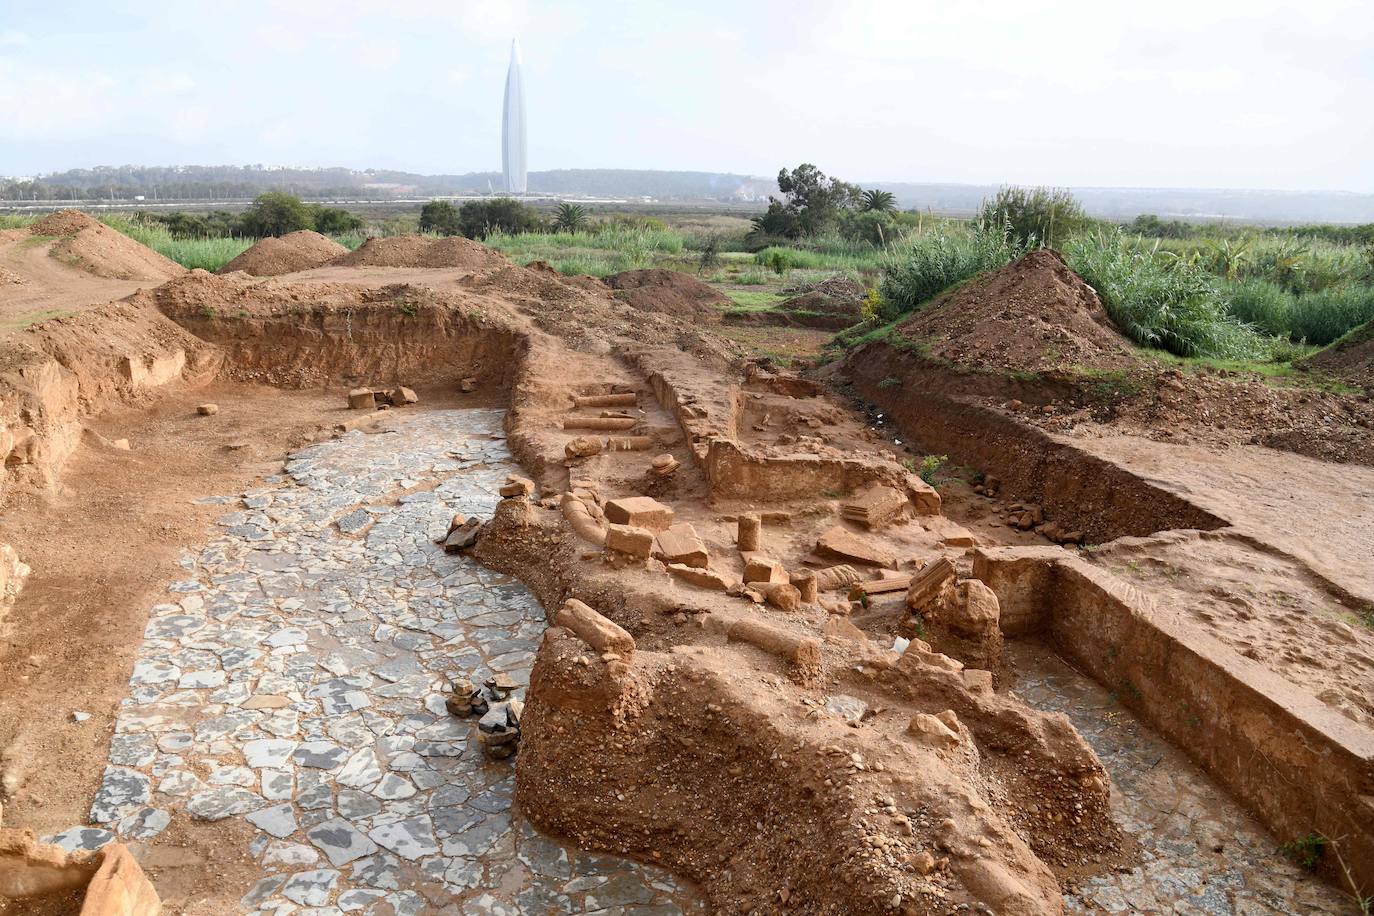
point(323, 595)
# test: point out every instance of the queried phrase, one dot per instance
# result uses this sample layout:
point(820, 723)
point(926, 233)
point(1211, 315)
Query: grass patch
point(752, 301)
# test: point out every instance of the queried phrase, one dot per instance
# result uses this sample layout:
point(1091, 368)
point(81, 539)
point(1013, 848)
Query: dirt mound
point(837, 287)
point(1351, 357)
point(298, 251)
point(63, 222)
point(669, 292)
point(420, 251)
point(1032, 315)
point(90, 245)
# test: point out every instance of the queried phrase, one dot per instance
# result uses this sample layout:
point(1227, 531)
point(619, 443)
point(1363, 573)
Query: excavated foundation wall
point(374, 343)
point(1298, 764)
point(1078, 490)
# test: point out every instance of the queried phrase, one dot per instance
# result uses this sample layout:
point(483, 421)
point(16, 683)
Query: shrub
point(569, 218)
point(277, 213)
point(928, 264)
point(1048, 216)
point(479, 218)
point(333, 221)
point(875, 227)
point(439, 216)
point(1326, 315)
point(1175, 307)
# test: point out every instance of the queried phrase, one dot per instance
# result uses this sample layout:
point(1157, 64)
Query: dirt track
point(50, 288)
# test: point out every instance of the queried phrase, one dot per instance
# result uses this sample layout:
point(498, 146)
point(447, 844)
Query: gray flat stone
point(340, 841)
point(217, 804)
point(278, 820)
point(311, 888)
point(412, 838)
point(121, 790)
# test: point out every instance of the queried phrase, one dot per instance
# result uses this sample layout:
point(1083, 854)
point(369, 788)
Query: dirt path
point(50, 288)
point(1321, 513)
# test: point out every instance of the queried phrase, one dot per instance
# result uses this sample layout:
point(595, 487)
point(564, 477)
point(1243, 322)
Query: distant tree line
point(272, 213)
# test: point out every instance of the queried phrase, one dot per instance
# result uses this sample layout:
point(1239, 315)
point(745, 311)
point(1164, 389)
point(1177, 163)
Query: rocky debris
point(702, 578)
point(499, 729)
point(8, 276)
point(462, 534)
point(782, 595)
point(641, 511)
point(940, 732)
point(842, 544)
point(402, 397)
point(748, 532)
point(664, 465)
point(805, 581)
point(582, 447)
point(875, 507)
point(618, 399)
point(851, 710)
point(361, 399)
point(929, 583)
point(964, 621)
point(207, 410)
point(680, 544)
point(880, 586)
point(468, 385)
point(601, 633)
point(630, 539)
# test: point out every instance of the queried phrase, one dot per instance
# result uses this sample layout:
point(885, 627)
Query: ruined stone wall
point(1079, 490)
point(1298, 764)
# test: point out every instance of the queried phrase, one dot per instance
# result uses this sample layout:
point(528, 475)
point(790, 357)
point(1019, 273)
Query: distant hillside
point(227, 183)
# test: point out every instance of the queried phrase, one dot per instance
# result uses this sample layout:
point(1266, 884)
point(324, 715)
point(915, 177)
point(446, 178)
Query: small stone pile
point(371, 398)
point(499, 722)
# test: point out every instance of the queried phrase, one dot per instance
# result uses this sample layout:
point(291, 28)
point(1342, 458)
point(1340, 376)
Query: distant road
point(45, 206)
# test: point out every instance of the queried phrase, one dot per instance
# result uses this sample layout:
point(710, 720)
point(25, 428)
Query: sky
point(1204, 93)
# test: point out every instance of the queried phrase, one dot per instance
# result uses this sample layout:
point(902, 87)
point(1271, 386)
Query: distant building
point(513, 126)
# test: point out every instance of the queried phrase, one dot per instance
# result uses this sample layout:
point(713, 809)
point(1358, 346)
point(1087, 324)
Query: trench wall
point(1296, 763)
point(1078, 490)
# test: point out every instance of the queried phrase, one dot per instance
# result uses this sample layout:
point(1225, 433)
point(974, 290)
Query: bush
point(1326, 315)
point(1048, 216)
point(876, 227)
point(277, 213)
point(479, 218)
point(1175, 307)
point(928, 264)
point(439, 216)
point(334, 221)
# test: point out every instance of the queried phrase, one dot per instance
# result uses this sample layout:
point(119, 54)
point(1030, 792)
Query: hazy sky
point(1203, 93)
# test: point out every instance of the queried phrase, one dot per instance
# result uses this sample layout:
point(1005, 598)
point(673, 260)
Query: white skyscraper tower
point(513, 126)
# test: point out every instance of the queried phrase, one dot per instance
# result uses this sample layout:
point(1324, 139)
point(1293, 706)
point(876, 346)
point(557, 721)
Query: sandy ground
point(50, 288)
point(1321, 513)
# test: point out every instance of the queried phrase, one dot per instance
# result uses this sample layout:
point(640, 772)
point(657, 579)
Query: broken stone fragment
point(597, 631)
point(468, 385)
point(207, 410)
point(642, 511)
point(582, 447)
point(932, 732)
point(842, 544)
point(875, 507)
point(802, 652)
point(837, 578)
point(516, 487)
point(929, 583)
point(361, 399)
point(402, 396)
point(971, 609)
point(781, 595)
point(977, 680)
point(760, 567)
point(680, 544)
point(463, 537)
point(630, 539)
point(703, 578)
point(805, 581)
point(581, 520)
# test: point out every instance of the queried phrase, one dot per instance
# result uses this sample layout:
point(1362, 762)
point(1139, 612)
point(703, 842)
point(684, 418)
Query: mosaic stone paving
point(294, 680)
point(1201, 853)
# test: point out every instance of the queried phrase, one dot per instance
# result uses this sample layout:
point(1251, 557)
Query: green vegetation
point(925, 265)
point(1306, 851)
point(478, 219)
point(439, 217)
point(1035, 215)
point(570, 218)
point(206, 253)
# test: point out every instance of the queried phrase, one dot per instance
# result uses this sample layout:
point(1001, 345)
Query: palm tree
point(882, 201)
point(570, 218)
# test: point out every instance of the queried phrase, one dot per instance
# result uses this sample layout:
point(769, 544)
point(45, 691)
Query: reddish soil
point(270, 257)
point(422, 251)
point(90, 245)
point(1034, 315)
point(669, 292)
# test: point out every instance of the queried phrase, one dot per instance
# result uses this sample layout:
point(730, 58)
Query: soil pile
point(668, 292)
point(90, 245)
point(270, 257)
point(1351, 357)
point(420, 251)
point(1032, 315)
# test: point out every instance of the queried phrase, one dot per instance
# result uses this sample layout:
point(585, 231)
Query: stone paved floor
point(1178, 815)
point(294, 678)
